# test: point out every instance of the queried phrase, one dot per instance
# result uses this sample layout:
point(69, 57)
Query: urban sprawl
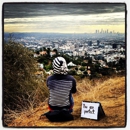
point(101, 47)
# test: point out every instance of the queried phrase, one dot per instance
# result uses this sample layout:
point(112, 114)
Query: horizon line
point(69, 33)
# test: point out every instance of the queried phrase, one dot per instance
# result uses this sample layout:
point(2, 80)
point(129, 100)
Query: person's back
point(61, 86)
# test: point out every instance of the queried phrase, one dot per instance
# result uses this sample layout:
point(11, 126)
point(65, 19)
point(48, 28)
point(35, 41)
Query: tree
point(37, 52)
point(55, 50)
point(84, 64)
point(48, 52)
point(43, 59)
point(72, 72)
point(89, 60)
point(122, 63)
point(82, 68)
point(48, 67)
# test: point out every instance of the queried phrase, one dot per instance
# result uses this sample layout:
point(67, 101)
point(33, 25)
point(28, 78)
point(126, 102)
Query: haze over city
point(64, 17)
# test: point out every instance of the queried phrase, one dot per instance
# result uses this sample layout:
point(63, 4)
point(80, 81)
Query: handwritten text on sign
point(89, 110)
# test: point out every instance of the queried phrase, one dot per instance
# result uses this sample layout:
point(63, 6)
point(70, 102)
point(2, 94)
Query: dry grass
point(22, 89)
point(110, 93)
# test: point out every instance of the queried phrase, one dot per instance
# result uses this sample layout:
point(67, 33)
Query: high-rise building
point(98, 42)
point(89, 43)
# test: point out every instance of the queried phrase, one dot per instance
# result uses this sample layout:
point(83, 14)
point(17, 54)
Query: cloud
point(69, 20)
point(41, 17)
point(25, 10)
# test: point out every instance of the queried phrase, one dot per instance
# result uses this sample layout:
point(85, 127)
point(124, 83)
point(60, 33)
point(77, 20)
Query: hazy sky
point(64, 18)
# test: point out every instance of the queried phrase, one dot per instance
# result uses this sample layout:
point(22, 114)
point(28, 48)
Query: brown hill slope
point(110, 93)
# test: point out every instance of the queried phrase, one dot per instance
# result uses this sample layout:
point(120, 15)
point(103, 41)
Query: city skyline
point(64, 17)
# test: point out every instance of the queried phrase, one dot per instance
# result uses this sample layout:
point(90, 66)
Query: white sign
point(90, 110)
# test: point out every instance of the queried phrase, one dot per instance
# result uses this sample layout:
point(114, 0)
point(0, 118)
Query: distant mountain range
point(63, 35)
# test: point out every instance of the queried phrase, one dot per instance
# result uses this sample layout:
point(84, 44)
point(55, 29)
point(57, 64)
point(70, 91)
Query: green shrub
point(72, 72)
point(82, 68)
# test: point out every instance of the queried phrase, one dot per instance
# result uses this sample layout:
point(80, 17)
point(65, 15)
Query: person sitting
point(61, 86)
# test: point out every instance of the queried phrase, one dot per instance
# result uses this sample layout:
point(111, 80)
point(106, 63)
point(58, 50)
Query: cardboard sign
point(92, 110)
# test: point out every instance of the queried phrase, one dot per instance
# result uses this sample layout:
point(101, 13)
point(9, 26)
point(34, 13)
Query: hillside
point(110, 93)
